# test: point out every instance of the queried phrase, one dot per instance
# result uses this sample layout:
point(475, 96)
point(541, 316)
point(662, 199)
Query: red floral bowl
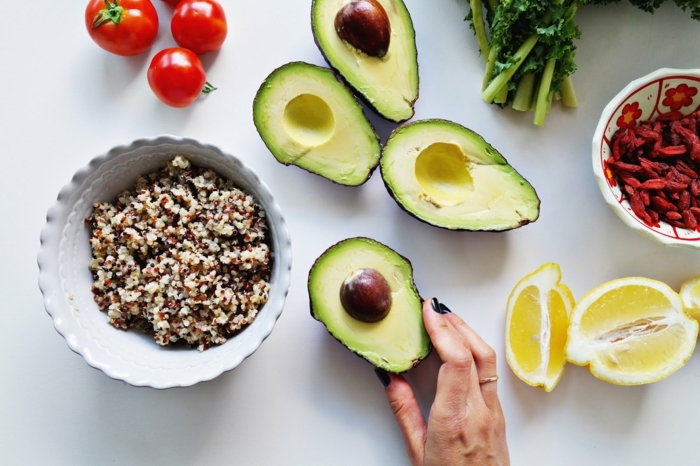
point(659, 93)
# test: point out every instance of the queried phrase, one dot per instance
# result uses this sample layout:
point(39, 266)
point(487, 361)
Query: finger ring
point(488, 379)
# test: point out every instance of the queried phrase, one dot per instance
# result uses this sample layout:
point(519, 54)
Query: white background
point(302, 399)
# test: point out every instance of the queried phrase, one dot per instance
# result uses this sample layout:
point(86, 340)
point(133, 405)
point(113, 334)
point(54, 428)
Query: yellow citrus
point(631, 331)
point(690, 295)
point(537, 317)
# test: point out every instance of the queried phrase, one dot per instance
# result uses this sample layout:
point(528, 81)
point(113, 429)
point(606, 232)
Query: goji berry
point(670, 151)
point(689, 220)
point(684, 201)
point(653, 184)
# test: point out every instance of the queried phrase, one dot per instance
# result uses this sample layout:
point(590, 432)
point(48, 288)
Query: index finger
point(458, 382)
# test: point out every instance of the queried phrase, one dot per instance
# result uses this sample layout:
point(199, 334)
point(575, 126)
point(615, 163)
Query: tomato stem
point(112, 13)
point(208, 87)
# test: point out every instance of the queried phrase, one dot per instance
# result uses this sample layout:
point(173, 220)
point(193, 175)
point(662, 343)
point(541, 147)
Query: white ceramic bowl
point(644, 99)
point(65, 279)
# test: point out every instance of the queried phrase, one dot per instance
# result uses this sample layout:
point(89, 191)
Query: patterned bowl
point(65, 279)
point(663, 91)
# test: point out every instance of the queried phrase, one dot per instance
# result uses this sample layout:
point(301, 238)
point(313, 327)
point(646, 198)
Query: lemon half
point(690, 295)
point(631, 331)
point(537, 318)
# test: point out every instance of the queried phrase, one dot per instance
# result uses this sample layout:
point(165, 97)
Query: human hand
point(466, 424)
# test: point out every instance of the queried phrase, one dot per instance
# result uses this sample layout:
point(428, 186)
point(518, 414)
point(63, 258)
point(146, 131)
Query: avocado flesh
point(397, 342)
point(306, 117)
point(388, 84)
point(448, 176)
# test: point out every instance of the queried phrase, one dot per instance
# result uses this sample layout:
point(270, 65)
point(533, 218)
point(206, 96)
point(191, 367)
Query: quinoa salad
point(183, 255)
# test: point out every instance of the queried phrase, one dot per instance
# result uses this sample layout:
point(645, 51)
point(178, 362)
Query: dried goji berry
point(689, 220)
point(673, 216)
point(686, 170)
point(653, 184)
point(684, 201)
point(634, 182)
point(695, 211)
point(670, 151)
point(654, 216)
point(695, 188)
point(692, 141)
point(637, 206)
point(662, 204)
point(625, 167)
point(674, 186)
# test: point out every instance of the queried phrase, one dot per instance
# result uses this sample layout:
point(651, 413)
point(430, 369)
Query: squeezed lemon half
point(631, 331)
point(537, 317)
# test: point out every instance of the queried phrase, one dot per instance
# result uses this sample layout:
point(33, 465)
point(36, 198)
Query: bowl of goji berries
point(646, 156)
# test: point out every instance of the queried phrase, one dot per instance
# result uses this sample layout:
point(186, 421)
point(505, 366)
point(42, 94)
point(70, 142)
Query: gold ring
point(488, 379)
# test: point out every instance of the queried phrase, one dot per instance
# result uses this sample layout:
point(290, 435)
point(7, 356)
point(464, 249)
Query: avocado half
point(307, 118)
point(388, 84)
point(448, 176)
point(396, 343)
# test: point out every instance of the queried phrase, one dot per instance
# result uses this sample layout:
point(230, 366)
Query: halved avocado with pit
point(448, 176)
point(397, 341)
point(307, 118)
point(387, 83)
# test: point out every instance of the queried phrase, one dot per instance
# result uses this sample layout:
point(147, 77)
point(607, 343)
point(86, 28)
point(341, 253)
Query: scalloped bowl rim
point(57, 299)
point(598, 170)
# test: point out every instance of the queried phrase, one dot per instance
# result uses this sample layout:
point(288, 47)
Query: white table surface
point(302, 399)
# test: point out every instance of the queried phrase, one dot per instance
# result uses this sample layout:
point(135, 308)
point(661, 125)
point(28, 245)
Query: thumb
point(408, 414)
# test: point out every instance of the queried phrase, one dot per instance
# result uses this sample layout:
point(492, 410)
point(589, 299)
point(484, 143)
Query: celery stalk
point(490, 65)
point(523, 94)
point(500, 81)
point(543, 94)
point(568, 93)
point(479, 29)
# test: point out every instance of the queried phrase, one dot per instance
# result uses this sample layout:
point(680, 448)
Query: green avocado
point(307, 118)
point(388, 84)
point(398, 341)
point(447, 176)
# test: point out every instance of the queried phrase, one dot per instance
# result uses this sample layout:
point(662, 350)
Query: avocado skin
point(341, 81)
point(413, 287)
point(355, 91)
point(486, 144)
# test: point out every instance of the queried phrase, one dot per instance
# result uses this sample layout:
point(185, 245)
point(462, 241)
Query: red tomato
point(177, 77)
point(172, 2)
point(123, 27)
point(199, 25)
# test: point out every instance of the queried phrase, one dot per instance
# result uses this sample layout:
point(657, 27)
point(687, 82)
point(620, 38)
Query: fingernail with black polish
point(444, 309)
point(436, 305)
point(383, 376)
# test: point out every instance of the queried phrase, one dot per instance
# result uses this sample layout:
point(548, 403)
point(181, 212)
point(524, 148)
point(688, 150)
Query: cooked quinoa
point(183, 255)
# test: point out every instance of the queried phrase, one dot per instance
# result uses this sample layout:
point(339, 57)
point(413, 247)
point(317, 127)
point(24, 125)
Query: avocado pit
point(364, 24)
point(366, 295)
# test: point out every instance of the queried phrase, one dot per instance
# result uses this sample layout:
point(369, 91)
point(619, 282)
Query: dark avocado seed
point(366, 296)
point(364, 24)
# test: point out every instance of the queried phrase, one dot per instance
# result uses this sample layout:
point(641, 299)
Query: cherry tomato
point(172, 2)
point(123, 27)
point(177, 77)
point(199, 25)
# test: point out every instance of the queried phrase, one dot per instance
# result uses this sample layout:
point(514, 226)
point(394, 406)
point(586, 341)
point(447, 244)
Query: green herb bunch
point(529, 49)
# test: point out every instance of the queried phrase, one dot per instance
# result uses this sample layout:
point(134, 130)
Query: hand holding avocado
point(466, 423)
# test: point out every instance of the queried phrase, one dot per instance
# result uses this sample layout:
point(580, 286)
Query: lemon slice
point(690, 295)
point(631, 331)
point(537, 318)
